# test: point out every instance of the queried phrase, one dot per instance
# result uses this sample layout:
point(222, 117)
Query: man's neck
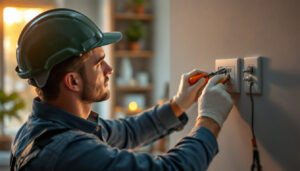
point(73, 106)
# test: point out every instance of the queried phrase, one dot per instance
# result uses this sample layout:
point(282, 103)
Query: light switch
point(234, 85)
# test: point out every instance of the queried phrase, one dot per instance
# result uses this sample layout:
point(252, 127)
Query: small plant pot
point(134, 46)
point(140, 9)
point(5, 143)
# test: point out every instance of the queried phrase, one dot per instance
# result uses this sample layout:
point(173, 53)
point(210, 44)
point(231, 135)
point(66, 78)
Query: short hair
point(51, 90)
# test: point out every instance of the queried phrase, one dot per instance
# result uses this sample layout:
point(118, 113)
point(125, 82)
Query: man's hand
point(215, 102)
point(188, 94)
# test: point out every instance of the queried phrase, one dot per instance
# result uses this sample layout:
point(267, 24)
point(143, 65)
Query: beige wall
point(205, 30)
point(161, 35)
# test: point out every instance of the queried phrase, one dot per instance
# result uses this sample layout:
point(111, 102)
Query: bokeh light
point(133, 106)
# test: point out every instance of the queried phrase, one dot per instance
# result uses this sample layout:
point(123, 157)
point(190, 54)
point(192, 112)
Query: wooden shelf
point(125, 16)
point(141, 60)
point(134, 88)
point(134, 54)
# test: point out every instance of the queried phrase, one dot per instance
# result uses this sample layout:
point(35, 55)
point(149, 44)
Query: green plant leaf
point(13, 96)
point(15, 102)
point(2, 95)
point(139, 2)
point(136, 31)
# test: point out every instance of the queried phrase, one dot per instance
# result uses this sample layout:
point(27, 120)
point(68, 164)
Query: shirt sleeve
point(141, 129)
point(193, 152)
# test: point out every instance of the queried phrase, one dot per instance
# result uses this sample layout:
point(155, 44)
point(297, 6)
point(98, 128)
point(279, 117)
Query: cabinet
point(132, 86)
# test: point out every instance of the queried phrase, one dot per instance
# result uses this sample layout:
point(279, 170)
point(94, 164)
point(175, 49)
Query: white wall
point(205, 30)
point(87, 7)
point(161, 47)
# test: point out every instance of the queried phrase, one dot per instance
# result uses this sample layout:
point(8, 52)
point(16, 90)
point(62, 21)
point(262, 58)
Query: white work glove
point(215, 102)
point(188, 94)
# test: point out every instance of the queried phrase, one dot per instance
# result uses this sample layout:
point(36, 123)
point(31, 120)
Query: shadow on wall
point(274, 129)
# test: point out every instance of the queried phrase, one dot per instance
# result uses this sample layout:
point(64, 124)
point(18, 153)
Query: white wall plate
point(234, 85)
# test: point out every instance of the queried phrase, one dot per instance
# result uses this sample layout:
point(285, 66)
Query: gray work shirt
point(97, 144)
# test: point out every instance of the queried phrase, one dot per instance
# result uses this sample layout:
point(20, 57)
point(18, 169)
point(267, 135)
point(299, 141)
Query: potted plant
point(10, 104)
point(139, 6)
point(134, 34)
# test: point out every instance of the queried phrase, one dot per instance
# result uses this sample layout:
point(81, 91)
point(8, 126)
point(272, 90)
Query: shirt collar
point(69, 120)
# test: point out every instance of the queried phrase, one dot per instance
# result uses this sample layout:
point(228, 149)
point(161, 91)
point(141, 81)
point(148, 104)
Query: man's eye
point(100, 63)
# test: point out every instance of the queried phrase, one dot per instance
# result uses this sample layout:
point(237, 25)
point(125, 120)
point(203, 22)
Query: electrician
point(60, 53)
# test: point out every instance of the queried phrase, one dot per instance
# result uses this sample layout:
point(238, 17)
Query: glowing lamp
point(133, 106)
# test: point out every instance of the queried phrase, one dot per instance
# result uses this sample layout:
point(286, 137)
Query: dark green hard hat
point(54, 36)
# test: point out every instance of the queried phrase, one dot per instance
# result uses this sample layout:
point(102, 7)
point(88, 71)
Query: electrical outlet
point(234, 84)
point(255, 75)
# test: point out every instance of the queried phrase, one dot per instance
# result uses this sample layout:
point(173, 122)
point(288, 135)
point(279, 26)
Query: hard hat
point(54, 36)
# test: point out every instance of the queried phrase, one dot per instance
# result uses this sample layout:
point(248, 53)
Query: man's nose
point(107, 68)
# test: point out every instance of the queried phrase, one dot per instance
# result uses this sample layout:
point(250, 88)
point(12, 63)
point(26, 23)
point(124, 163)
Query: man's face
point(95, 77)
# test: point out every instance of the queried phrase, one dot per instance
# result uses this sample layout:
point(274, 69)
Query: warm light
point(6, 43)
point(132, 106)
point(30, 14)
point(17, 15)
point(12, 15)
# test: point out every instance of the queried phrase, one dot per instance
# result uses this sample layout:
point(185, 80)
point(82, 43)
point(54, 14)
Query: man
point(60, 53)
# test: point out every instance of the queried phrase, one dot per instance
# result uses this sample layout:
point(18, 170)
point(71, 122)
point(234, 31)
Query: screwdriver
point(195, 78)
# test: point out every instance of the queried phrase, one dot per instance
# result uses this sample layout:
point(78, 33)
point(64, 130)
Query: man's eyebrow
point(100, 59)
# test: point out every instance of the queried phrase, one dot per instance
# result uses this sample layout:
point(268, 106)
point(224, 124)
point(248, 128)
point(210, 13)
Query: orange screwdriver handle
point(195, 78)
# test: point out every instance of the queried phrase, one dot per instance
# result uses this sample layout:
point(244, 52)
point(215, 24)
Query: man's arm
point(193, 152)
point(142, 129)
point(209, 124)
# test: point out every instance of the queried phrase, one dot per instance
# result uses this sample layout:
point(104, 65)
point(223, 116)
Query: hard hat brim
point(110, 37)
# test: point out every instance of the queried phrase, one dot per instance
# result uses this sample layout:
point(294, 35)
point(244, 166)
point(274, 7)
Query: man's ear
point(72, 81)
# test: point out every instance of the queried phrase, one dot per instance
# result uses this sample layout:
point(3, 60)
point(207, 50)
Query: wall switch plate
point(234, 84)
point(256, 76)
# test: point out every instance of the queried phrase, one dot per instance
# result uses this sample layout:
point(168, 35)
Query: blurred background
point(163, 39)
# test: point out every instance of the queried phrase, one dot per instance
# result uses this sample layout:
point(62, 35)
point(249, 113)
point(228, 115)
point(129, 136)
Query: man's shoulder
point(35, 127)
point(75, 135)
point(51, 145)
point(43, 140)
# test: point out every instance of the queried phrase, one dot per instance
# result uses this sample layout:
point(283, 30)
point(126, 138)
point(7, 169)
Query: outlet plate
point(256, 76)
point(234, 85)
